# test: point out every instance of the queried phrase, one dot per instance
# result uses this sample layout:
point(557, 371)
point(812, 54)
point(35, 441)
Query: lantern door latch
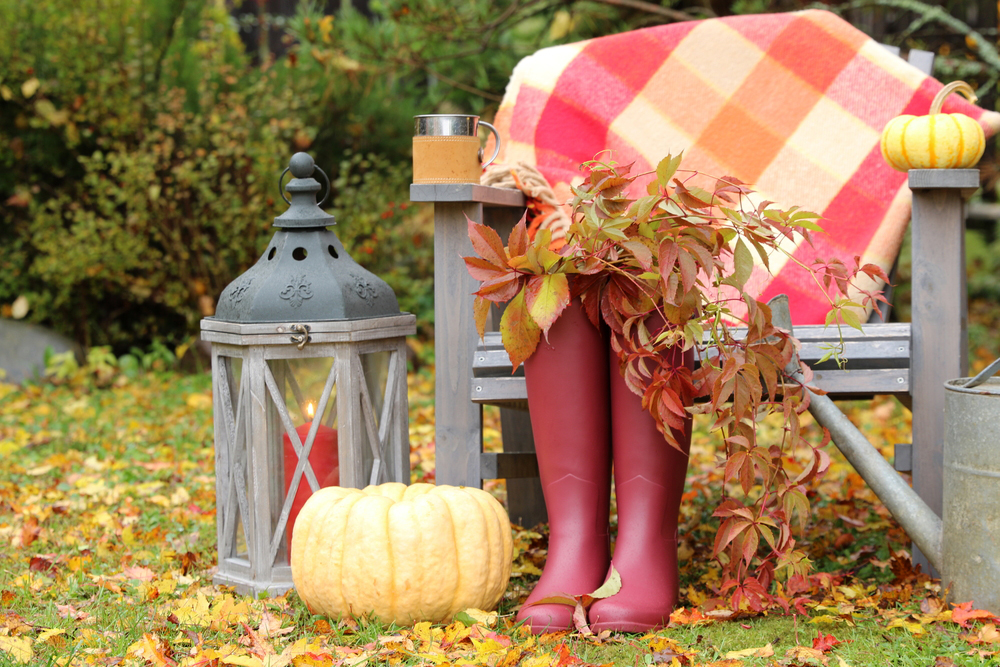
point(301, 334)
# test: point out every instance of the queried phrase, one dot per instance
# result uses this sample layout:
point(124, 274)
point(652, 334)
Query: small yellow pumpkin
point(404, 553)
point(935, 141)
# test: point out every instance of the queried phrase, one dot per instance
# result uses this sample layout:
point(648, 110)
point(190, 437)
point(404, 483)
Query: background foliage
point(140, 141)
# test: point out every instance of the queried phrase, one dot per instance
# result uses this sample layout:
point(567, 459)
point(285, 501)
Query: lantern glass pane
point(375, 412)
point(307, 394)
point(231, 459)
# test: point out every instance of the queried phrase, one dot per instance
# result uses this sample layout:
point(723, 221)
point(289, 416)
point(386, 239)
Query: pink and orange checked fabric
point(793, 104)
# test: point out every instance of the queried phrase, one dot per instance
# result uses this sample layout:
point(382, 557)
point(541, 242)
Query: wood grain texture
point(939, 339)
point(458, 421)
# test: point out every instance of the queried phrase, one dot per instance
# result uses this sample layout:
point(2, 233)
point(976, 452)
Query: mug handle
point(496, 151)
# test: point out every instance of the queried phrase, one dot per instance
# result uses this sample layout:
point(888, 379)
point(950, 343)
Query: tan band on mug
point(446, 160)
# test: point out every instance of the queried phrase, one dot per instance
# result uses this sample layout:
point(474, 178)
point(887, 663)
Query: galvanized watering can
point(964, 543)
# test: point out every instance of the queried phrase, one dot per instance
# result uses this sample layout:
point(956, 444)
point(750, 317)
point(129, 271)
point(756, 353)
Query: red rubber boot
point(649, 482)
point(567, 381)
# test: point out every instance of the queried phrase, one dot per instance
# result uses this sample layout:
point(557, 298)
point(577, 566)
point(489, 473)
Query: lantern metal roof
point(305, 274)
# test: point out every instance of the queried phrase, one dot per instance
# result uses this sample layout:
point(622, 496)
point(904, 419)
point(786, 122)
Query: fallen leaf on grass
point(963, 613)
point(72, 613)
point(765, 651)
point(18, 648)
point(139, 573)
point(804, 655)
point(477, 616)
point(988, 634)
point(825, 643)
point(913, 627)
point(151, 649)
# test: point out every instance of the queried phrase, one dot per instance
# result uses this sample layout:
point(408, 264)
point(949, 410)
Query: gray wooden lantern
point(305, 330)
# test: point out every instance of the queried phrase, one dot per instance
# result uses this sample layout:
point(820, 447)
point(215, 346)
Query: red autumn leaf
point(42, 563)
point(482, 270)
point(729, 531)
point(500, 289)
point(689, 270)
point(875, 271)
point(825, 643)
point(517, 242)
point(487, 243)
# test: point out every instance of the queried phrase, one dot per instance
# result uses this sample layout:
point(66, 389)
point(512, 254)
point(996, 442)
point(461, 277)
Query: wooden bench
point(910, 361)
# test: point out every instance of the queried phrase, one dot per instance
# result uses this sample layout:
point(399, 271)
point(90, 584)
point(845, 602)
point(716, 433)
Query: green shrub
point(140, 155)
point(141, 161)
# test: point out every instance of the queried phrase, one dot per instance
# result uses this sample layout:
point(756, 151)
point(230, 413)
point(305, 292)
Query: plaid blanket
point(793, 104)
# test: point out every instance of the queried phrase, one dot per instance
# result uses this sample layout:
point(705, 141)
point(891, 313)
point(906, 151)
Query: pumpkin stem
point(953, 87)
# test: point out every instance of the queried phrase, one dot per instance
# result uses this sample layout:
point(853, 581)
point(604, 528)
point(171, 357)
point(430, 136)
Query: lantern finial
point(302, 165)
point(303, 211)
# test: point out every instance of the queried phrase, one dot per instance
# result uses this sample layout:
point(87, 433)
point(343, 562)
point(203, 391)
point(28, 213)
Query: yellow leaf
point(546, 297)
point(543, 660)
point(803, 653)
point(193, 611)
point(825, 619)
point(18, 648)
point(150, 649)
point(913, 627)
point(525, 567)
point(244, 660)
point(30, 87)
point(49, 633)
point(487, 618)
point(765, 651)
point(518, 331)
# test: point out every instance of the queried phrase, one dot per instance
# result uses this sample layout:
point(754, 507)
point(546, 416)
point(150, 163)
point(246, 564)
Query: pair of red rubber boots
point(584, 417)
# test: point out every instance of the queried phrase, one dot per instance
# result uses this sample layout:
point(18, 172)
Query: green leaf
point(518, 331)
point(546, 298)
point(667, 168)
point(644, 207)
point(851, 319)
point(742, 265)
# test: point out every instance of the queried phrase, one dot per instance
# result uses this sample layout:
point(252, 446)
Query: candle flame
point(310, 410)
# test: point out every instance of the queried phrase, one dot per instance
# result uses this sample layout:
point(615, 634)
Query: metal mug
point(446, 148)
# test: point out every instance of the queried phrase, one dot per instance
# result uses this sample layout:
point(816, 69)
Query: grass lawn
point(107, 527)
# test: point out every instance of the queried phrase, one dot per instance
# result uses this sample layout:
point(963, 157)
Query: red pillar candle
point(324, 459)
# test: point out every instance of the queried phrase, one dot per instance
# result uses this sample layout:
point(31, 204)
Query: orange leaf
point(482, 270)
point(481, 311)
point(487, 243)
point(963, 613)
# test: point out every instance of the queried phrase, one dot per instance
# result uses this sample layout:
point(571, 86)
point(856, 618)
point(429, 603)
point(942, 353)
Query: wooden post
point(938, 334)
point(458, 421)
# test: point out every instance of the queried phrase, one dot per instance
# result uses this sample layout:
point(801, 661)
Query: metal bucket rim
point(447, 115)
point(991, 387)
